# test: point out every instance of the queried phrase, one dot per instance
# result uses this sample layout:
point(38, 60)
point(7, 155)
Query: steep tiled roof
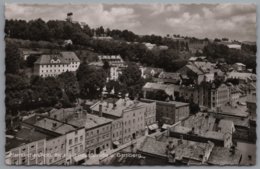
point(70, 56)
point(64, 57)
point(46, 59)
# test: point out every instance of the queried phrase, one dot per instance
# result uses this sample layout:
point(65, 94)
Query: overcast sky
point(234, 21)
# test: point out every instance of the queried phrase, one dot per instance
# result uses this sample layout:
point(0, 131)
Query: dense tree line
point(56, 31)
point(246, 55)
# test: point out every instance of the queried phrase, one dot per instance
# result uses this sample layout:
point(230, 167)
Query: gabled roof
point(64, 57)
point(70, 56)
point(239, 64)
point(169, 75)
point(169, 89)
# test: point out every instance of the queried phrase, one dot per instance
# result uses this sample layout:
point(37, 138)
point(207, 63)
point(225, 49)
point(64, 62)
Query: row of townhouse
point(71, 136)
point(45, 141)
point(130, 119)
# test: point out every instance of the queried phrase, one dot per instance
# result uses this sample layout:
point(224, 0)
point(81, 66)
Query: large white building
point(55, 64)
point(116, 64)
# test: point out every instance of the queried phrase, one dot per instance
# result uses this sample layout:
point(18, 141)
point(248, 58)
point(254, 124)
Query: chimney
point(100, 110)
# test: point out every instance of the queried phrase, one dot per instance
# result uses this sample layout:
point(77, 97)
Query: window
point(81, 138)
point(76, 140)
point(76, 150)
point(23, 160)
point(70, 141)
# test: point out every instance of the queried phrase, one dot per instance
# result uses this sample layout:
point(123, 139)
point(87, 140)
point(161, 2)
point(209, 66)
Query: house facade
point(55, 64)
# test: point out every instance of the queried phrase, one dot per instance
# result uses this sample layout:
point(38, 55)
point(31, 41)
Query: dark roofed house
point(150, 72)
point(169, 77)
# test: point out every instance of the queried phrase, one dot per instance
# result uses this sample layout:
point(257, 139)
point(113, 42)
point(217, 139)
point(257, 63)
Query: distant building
point(163, 47)
point(27, 146)
point(198, 59)
point(223, 156)
point(153, 87)
point(97, 136)
point(200, 71)
point(201, 128)
point(196, 45)
point(234, 46)
point(150, 72)
point(55, 64)
point(170, 112)
point(130, 118)
point(177, 151)
point(242, 77)
point(169, 78)
point(219, 95)
point(115, 62)
point(56, 150)
point(74, 139)
point(27, 154)
point(149, 46)
point(103, 37)
point(234, 94)
point(207, 94)
point(240, 67)
point(251, 106)
point(67, 42)
point(25, 53)
point(75, 146)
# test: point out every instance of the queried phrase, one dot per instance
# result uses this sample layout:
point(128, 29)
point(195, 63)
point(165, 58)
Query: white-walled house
point(55, 64)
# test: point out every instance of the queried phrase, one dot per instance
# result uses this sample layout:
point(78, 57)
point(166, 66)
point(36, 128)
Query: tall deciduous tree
point(12, 59)
point(69, 85)
point(131, 80)
point(91, 81)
